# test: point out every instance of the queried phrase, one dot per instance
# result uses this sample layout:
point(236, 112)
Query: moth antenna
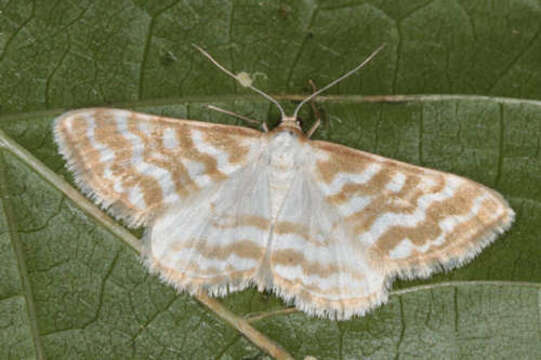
point(351, 72)
point(242, 117)
point(242, 80)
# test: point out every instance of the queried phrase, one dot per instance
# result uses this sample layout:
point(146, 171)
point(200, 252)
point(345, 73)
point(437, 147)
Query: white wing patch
point(169, 139)
point(396, 183)
point(356, 204)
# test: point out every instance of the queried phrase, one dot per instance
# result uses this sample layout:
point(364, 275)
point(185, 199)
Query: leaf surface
point(72, 286)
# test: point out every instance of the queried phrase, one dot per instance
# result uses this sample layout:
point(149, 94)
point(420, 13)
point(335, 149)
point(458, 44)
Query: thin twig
point(256, 317)
point(245, 328)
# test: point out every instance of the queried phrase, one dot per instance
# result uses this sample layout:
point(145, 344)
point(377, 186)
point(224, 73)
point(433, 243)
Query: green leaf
point(72, 286)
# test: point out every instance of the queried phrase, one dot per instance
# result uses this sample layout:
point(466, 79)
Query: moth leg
point(316, 112)
point(313, 128)
point(242, 117)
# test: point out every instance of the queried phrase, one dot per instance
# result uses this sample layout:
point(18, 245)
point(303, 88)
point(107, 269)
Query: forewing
point(139, 165)
point(410, 219)
point(217, 240)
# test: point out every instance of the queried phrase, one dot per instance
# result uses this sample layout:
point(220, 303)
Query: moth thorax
point(282, 156)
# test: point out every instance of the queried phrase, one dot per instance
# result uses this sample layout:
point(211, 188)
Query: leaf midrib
point(210, 99)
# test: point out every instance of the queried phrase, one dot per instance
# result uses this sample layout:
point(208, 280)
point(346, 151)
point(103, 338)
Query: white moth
point(322, 225)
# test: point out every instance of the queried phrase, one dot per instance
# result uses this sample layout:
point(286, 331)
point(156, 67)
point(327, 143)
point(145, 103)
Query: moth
point(324, 226)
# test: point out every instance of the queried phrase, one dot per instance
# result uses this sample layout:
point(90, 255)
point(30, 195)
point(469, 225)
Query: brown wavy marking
point(404, 199)
point(152, 191)
point(411, 191)
point(471, 229)
point(188, 151)
point(184, 184)
point(179, 173)
point(198, 271)
point(465, 239)
point(329, 168)
point(291, 257)
point(230, 221)
point(288, 227)
point(120, 166)
point(84, 153)
point(460, 203)
point(307, 292)
point(363, 220)
point(487, 211)
point(373, 186)
point(228, 143)
point(242, 248)
point(77, 139)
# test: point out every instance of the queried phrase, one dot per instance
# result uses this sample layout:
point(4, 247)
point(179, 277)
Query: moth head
point(288, 128)
point(291, 122)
